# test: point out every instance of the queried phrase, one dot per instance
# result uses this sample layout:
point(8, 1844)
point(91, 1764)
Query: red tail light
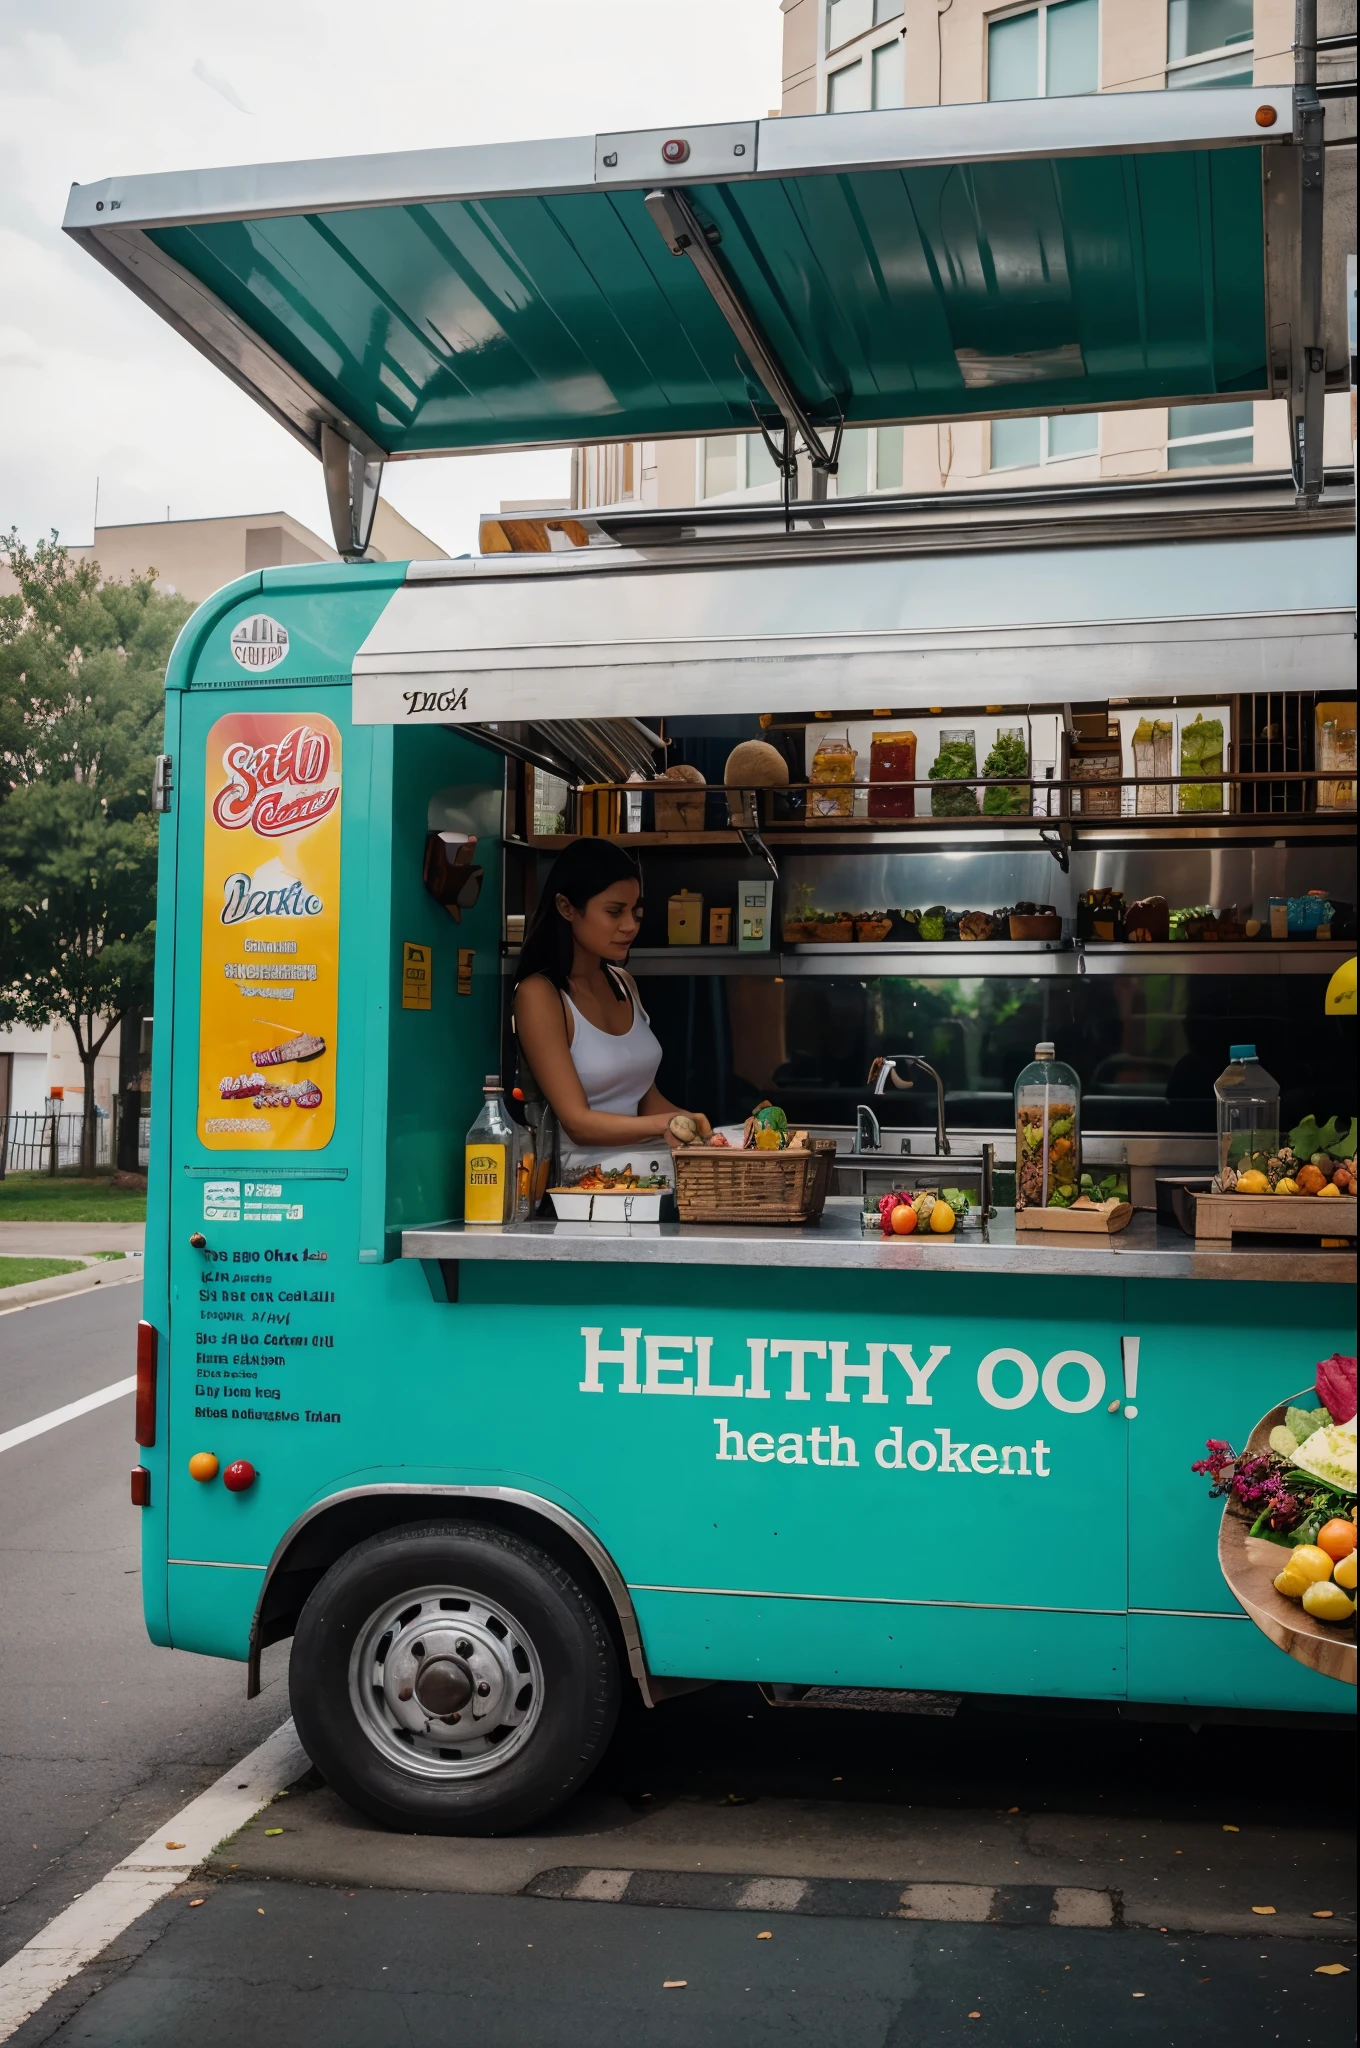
point(147, 1337)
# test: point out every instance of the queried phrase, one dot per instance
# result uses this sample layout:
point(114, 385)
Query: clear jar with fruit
point(1248, 1101)
point(1047, 1132)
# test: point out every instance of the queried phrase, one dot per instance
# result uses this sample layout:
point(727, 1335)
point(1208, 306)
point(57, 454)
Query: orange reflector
point(1266, 117)
point(141, 1487)
point(145, 1429)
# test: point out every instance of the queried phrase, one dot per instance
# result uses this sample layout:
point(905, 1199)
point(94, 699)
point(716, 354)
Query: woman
point(582, 1030)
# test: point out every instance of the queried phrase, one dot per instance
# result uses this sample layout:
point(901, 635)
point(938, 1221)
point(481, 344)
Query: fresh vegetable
point(1009, 756)
point(924, 1205)
point(1252, 1182)
point(684, 1130)
point(1310, 1138)
point(1307, 1565)
point(1286, 1186)
point(955, 762)
point(1329, 1455)
point(1326, 1601)
point(1337, 1538)
point(942, 1219)
point(932, 922)
point(1336, 1386)
point(903, 1220)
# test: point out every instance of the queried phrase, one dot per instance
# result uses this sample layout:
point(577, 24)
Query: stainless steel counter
point(1147, 1250)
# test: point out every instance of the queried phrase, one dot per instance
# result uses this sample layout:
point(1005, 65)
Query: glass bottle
point(490, 1160)
point(1047, 1133)
point(1248, 1117)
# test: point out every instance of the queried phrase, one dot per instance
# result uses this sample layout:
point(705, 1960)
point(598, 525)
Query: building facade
point(847, 56)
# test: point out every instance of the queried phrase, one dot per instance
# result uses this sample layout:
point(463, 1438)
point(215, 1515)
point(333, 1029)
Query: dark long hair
point(584, 869)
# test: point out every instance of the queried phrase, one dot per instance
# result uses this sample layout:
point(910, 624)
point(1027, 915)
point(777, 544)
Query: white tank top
point(615, 1074)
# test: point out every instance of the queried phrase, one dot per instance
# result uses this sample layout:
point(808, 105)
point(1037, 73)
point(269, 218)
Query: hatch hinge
point(353, 480)
point(685, 235)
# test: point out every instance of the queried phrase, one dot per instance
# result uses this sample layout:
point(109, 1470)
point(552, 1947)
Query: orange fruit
point(903, 1220)
point(1337, 1538)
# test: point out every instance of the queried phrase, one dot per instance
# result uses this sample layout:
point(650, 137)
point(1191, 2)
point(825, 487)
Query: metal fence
point(49, 1141)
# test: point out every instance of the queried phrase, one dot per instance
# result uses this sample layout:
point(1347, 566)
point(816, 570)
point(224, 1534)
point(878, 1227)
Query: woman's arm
point(542, 1029)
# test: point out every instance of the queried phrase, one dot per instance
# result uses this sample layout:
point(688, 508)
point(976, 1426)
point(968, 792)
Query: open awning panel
point(888, 294)
point(912, 264)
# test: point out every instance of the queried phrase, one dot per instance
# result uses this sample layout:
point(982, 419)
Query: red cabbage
point(1336, 1386)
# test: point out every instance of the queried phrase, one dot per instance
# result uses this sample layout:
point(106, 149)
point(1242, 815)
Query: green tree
point(82, 670)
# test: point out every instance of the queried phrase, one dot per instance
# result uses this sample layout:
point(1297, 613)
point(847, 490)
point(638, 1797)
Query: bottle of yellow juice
point(489, 1160)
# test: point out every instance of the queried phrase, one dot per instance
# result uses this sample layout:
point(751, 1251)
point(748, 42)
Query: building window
point(889, 66)
point(846, 19)
point(847, 90)
point(1205, 436)
point(1209, 42)
point(736, 462)
point(1046, 52)
point(870, 460)
point(1033, 444)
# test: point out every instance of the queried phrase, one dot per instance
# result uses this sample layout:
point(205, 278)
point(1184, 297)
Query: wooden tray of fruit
point(1288, 1215)
point(1250, 1565)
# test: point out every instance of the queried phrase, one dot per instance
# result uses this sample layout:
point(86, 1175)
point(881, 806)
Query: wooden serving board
point(1250, 1565)
point(1288, 1215)
point(1103, 1218)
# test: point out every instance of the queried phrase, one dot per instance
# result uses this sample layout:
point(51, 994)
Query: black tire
point(575, 1714)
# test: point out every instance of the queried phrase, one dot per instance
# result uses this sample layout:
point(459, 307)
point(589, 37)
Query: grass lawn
point(61, 1198)
point(13, 1272)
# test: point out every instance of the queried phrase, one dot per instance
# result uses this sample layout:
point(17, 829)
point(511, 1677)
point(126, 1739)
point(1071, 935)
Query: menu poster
point(271, 933)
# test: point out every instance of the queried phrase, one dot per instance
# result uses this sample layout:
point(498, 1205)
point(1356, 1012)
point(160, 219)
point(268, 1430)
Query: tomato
point(1337, 1538)
point(903, 1220)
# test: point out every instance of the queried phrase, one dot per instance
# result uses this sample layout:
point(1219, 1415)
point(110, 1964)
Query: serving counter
point(1147, 1250)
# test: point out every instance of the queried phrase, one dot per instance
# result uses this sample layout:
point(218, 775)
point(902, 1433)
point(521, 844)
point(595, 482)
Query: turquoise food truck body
point(487, 1477)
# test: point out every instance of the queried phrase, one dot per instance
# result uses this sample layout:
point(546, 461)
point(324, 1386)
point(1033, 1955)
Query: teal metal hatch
point(919, 264)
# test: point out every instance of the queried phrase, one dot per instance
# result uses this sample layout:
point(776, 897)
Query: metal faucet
point(885, 1068)
point(868, 1132)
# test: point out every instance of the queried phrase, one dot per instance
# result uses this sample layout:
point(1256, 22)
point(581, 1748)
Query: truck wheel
point(451, 1679)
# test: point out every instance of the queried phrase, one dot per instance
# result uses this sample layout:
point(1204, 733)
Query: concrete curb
point(95, 1273)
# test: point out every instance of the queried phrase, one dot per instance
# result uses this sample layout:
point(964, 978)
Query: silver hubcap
point(445, 1683)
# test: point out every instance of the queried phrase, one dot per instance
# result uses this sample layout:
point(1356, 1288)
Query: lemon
point(1252, 1182)
point(1307, 1565)
point(1327, 1602)
point(1328, 1190)
point(1343, 1572)
point(1286, 1187)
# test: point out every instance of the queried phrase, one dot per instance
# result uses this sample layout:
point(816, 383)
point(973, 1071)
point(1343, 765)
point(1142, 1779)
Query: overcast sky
point(94, 385)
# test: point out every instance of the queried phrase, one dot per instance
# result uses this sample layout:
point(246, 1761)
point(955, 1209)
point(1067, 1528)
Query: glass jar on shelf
point(955, 763)
point(1153, 754)
point(833, 773)
point(892, 762)
point(1047, 1132)
point(1336, 756)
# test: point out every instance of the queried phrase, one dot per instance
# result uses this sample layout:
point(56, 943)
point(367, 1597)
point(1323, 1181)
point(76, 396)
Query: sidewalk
point(69, 1240)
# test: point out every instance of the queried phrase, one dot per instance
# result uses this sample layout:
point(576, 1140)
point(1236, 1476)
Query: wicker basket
point(717, 1184)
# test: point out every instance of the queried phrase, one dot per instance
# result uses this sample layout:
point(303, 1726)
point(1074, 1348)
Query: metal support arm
point(685, 235)
point(1308, 368)
point(352, 484)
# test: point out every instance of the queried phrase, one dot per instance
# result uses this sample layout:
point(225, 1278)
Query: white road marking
point(104, 1912)
point(607, 1887)
point(56, 1416)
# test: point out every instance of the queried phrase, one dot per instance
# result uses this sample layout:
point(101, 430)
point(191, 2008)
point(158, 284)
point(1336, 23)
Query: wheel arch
point(308, 1549)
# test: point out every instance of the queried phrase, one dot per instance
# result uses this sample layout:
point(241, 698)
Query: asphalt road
point(102, 1736)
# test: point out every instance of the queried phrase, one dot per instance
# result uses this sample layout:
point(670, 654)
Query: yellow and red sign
point(270, 991)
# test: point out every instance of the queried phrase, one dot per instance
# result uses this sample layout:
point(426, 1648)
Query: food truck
point(491, 1476)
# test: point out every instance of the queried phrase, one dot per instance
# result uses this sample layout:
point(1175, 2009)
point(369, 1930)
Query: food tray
point(609, 1205)
point(724, 1184)
point(1283, 1215)
point(1250, 1565)
point(1104, 1218)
